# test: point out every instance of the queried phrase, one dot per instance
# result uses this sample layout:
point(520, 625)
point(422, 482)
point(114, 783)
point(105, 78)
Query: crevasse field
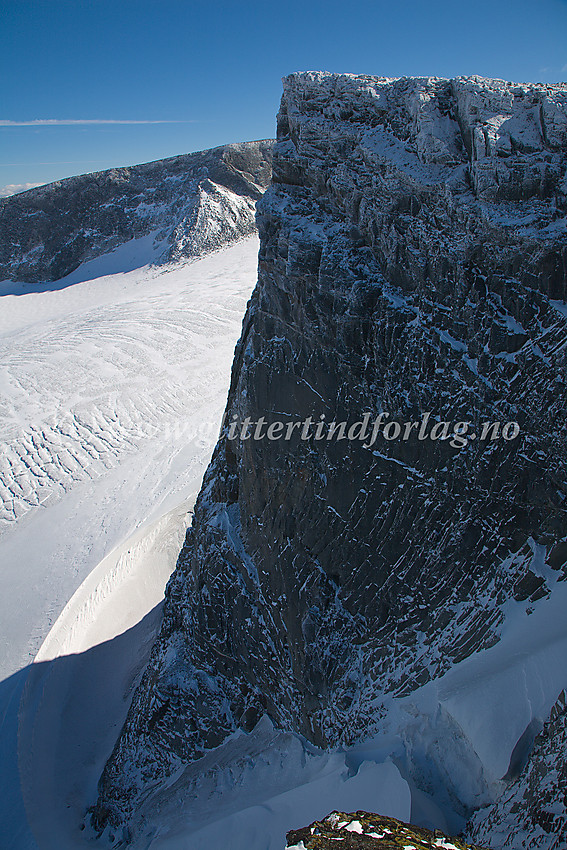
point(113, 382)
point(112, 388)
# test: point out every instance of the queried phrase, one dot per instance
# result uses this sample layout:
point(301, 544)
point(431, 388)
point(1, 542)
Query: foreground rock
point(185, 206)
point(413, 262)
point(364, 831)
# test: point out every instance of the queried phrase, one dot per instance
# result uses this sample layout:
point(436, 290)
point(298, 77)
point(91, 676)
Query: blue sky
point(215, 68)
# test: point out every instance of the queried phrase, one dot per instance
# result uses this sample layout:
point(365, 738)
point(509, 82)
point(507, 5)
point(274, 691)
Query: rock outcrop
point(413, 263)
point(366, 831)
point(532, 811)
point(187, 205)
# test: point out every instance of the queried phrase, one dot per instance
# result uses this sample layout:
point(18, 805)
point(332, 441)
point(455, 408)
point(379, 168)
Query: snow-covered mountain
point(113, 379)
point(106, 359)
point(178, 207)
point(400, 600)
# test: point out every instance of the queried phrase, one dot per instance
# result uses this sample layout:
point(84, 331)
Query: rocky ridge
point(534, 806)
point(413, 260)
point(187, 205)
point(365, 831)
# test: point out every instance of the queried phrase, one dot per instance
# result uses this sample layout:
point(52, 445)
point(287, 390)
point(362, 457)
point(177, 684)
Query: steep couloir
point(413, 263)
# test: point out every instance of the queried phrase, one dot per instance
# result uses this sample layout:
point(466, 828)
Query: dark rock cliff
point(189, 204)
point(413, 261)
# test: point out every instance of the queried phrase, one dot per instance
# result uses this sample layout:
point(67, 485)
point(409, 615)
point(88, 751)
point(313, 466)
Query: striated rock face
point(366, 831)
point(413, 260)
point(188, 204)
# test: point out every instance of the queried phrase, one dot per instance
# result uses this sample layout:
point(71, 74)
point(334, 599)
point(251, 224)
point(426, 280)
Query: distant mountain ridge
point(191, 204)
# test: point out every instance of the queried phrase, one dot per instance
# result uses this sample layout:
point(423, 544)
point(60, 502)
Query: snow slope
point(112, 386)
point(78, 690)
point(112, 392)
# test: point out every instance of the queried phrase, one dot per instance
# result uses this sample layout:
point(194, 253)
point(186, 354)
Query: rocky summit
point(182, 207)
point(413, 264)
point(365, 831)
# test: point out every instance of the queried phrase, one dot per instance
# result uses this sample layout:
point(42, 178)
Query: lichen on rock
point(367, 831)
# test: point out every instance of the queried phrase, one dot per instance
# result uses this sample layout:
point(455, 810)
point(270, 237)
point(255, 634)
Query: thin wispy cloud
point(57, 122)
point(55, 162)
point(16, 188)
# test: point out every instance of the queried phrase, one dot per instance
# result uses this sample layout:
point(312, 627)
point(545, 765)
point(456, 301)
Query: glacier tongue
point(98, 374)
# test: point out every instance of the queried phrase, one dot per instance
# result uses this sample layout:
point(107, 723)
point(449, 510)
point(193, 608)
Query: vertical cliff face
point(413, 261)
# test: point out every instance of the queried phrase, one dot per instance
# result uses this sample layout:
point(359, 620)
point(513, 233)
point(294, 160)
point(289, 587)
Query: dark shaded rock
point(189, 204)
